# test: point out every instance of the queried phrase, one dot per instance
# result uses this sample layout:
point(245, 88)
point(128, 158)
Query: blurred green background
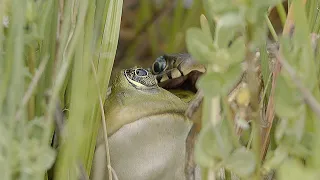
point(151, 28)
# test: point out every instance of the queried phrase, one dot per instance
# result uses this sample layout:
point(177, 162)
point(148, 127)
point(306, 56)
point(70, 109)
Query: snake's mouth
point(184, 87)
point(186, 82)
point(177, 72)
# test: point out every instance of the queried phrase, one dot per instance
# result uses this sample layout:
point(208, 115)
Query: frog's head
point(135, 94)
point(141, 79)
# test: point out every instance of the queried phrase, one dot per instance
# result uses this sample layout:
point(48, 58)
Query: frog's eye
point(141, 72)
point(160, 65)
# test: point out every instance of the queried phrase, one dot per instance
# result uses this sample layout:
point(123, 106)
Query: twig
point(103, 118)
point(306, 94)
point(194, 104)
point(270, 112)
point(114, 173)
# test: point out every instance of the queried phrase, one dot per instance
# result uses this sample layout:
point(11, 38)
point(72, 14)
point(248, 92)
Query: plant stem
point(253, 85)
point(282, 13)
point(273, 32)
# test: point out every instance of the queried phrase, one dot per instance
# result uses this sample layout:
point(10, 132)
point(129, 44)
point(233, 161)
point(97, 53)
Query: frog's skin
point(146, 130)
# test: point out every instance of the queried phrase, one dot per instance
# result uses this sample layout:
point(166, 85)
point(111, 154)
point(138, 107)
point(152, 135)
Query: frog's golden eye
point(159, 65)
point(141, 72)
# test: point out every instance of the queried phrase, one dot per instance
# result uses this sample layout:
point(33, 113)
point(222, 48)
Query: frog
point(164, 94)
point(146, 128)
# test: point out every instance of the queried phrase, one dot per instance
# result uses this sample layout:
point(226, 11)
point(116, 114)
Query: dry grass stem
point(104, 126)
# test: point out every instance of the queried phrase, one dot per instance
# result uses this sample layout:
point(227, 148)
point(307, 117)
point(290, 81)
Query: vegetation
point(52, 52)
point(59, 55)
point(293, 94)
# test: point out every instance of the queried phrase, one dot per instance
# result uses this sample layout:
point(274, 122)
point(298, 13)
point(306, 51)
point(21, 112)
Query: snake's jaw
point(177, 71)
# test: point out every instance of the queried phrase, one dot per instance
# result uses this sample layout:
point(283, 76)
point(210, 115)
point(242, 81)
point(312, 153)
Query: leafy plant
point(229, 37)
point(53, 54)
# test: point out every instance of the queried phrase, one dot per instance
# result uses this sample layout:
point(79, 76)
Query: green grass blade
point(13, 84)
point(104, 58)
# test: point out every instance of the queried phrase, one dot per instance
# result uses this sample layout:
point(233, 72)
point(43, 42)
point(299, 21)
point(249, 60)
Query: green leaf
point(259, 33)
point(227, 25)
point(219, 7)
point(223, 36)
point(30, 11)
point(291, 130)
point(281, 129)
point(237, 50)
point(307, 140)
point(35, 128)
point(265, 69)
point(205, 26)
point(288, 49)
point(287, 98)
point(242, 162)
point(199, 45)
point(45, 159)
point(302, 32)
point(290, 133)
point(294, 170)
point(307, 69)
point(299, 53)
point(299, 59)
point(202, 158)
point(214, 144)
point(263, 3)
point(256, 9)
point(279, 155)
point(221, 59)
point(298, 124)
point(300, 150)
point(214, 83)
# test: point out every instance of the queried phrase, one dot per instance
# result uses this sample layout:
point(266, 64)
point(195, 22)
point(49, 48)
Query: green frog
point(146, 123)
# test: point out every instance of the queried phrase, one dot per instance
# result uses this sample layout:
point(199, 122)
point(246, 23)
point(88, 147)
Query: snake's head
point(177, 71)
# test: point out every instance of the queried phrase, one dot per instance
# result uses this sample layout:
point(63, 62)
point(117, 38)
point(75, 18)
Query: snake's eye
point(141, 72)
point(160, 65)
